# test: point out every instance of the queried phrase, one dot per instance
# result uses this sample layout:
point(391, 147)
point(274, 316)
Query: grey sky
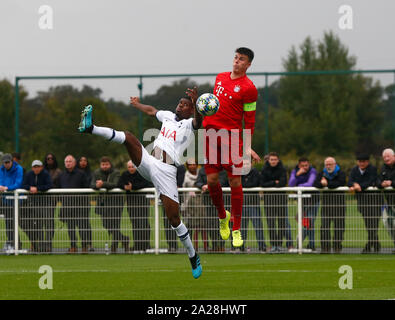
point(179, 36)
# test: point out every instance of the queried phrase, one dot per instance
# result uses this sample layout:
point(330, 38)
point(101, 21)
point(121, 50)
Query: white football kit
point(174, 138)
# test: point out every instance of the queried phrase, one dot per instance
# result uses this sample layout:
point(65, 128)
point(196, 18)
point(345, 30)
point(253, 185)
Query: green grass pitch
point(225, 277)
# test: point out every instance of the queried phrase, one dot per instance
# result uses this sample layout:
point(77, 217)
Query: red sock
point(236, 200)
point(218, 200)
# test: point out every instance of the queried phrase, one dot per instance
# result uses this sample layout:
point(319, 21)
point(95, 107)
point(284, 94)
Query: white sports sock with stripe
point(183, 234)
point(109, 134)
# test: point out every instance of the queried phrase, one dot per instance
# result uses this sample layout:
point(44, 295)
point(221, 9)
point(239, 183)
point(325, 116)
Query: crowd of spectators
point(37, 217)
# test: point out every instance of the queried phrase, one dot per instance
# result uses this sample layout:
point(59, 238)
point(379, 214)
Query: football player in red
point(237, 95)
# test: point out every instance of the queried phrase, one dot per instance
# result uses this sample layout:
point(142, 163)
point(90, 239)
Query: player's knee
point(212, 179)
point(234, 182)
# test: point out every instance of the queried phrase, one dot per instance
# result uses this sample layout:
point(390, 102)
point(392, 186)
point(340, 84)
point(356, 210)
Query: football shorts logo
point(236, 88)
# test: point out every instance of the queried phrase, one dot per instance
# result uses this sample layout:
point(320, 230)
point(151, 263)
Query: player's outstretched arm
point(150, 110)
point(197, 117)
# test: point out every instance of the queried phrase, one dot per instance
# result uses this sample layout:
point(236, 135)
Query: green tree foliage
point(49, 124)
point(7, 112)
point(325, 114)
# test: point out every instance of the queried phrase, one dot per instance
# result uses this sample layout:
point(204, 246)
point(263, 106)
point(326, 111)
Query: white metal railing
point(363, 219)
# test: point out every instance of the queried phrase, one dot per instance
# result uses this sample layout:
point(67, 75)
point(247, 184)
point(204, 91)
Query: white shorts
point(162, 175)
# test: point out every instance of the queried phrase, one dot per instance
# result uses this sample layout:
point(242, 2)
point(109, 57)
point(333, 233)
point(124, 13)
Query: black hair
point(273, 154)
point(88, 167)
point(303, 159)
point(55, 162)
point(16, 155)
point(248, 52)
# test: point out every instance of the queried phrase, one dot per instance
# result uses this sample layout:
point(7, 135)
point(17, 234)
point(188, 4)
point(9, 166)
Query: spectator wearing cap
point(34, 219)
point(11, 178)
point(363, 176)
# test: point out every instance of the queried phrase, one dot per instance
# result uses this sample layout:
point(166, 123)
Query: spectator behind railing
point(72, 212)
point(51, 165)
point(83, 165)
point(333, 206)
point(138, 206)
point(192, 207)
point(274, 175)
point(362, 176)
point(252, 206)
point(387, 179)
point(11, 178)
point(212, 217)
point(110, 206)
point(16, 157)
point(304, 175)
point(35, 219)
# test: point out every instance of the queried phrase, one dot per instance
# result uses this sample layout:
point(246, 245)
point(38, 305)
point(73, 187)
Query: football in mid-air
point(207, 104)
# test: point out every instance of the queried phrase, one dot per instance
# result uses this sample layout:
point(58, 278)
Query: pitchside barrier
point(275, 220)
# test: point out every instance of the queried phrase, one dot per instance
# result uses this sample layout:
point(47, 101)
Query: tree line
point(309, 115)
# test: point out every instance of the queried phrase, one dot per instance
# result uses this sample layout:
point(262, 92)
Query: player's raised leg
point(172, 212)
point(131, 143)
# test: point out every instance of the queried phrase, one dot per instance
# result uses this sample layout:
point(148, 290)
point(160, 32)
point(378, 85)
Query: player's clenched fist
point(134, 101)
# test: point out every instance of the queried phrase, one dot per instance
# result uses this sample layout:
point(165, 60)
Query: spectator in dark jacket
point(274, 175)
point(110, 206)
point(11, 178)
point(333, 205)
point(252, 206)
point(304, 175)
point(51, 165)
point(138, 206)
point(385, 180)
point(72, 211)
point(363, 176)
point(34, 218)
point(83, 165)
point(16, 157)
point(218, 245)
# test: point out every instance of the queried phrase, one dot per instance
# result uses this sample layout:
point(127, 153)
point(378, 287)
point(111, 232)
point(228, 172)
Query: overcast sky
point(98, 37)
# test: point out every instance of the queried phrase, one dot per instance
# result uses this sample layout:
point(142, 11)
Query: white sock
point(109, 134)
point(183, 234)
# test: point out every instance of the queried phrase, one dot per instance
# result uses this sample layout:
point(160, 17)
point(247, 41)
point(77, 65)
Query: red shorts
point(224, 151)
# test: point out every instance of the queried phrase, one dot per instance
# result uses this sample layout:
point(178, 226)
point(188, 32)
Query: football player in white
point(161, 167)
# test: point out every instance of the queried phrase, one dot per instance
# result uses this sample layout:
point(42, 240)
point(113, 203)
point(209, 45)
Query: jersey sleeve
point(161, 115)
point(249, 108)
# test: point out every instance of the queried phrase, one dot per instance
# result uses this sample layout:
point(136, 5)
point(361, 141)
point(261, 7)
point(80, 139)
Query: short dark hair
point(187, 98)
point(248, 52)
point(16, 155)
point(273, 154)
point(303, 159)
point(105, 159)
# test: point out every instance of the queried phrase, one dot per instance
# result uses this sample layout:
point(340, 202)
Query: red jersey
point(237, 99)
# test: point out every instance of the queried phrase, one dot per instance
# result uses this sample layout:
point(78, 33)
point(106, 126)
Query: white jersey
point(175, 136)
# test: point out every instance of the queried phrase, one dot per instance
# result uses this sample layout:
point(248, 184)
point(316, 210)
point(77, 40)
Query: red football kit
point(237, 100)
